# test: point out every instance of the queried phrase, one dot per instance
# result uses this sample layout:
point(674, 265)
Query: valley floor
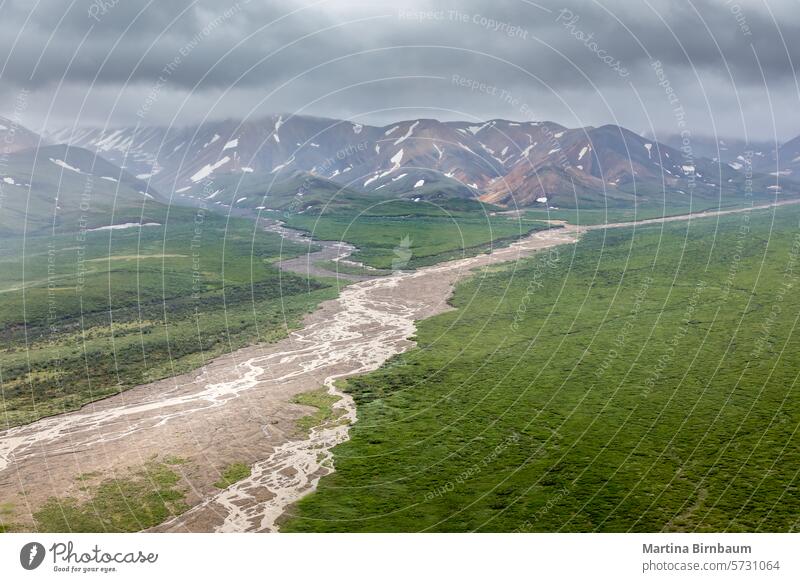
point(243, 408)
point(641, 380)
point(238, 409)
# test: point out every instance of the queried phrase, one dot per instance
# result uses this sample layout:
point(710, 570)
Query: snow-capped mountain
point(136, 150)
point(608, 163)
point(67, 188)
point(726, 149)
point(61, 188)
point(783, 161)
point(14, 137)
point(764, 157)
point(503, 162)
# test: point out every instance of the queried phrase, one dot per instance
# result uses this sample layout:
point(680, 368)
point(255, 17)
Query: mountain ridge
point(513, 163)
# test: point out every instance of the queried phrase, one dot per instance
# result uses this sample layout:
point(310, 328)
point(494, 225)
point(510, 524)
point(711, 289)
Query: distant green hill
point(66, 189)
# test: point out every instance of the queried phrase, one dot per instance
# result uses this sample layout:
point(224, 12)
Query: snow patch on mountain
point(208, 169)
point(276, 128)
point(124, 226)
point(279, 167)
point(65, 165)
point(407, 134)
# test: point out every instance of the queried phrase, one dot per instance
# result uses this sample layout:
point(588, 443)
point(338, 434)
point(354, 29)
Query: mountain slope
point(68, 189)
point(14, 137)
point(728, 150)
point(503, 162)
point(610, 165)
point(784, 161)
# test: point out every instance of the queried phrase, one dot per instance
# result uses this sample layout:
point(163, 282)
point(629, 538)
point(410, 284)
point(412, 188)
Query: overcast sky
point(730, 66)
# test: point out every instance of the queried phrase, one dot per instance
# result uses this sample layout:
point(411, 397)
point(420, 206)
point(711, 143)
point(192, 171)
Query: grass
point(47, 198)
point(643, 211)
point(84, 317)
point(642, 380)
point(325, 412)
point(233, 473)
point(6, 511)
point(409, 235)
point(143, 499)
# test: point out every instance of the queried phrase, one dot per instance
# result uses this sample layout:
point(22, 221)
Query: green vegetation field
point(642, 211)
point(86, 315)
point(145, 497)
point(642, 380)
point(407, 235)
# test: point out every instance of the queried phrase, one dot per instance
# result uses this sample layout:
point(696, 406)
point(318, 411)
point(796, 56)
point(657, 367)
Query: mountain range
point(500, 161)
point(303, 161)
point(48, 186)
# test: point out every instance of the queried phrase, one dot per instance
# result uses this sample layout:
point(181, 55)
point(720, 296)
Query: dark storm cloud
point(707, 34)
point(563, 60)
